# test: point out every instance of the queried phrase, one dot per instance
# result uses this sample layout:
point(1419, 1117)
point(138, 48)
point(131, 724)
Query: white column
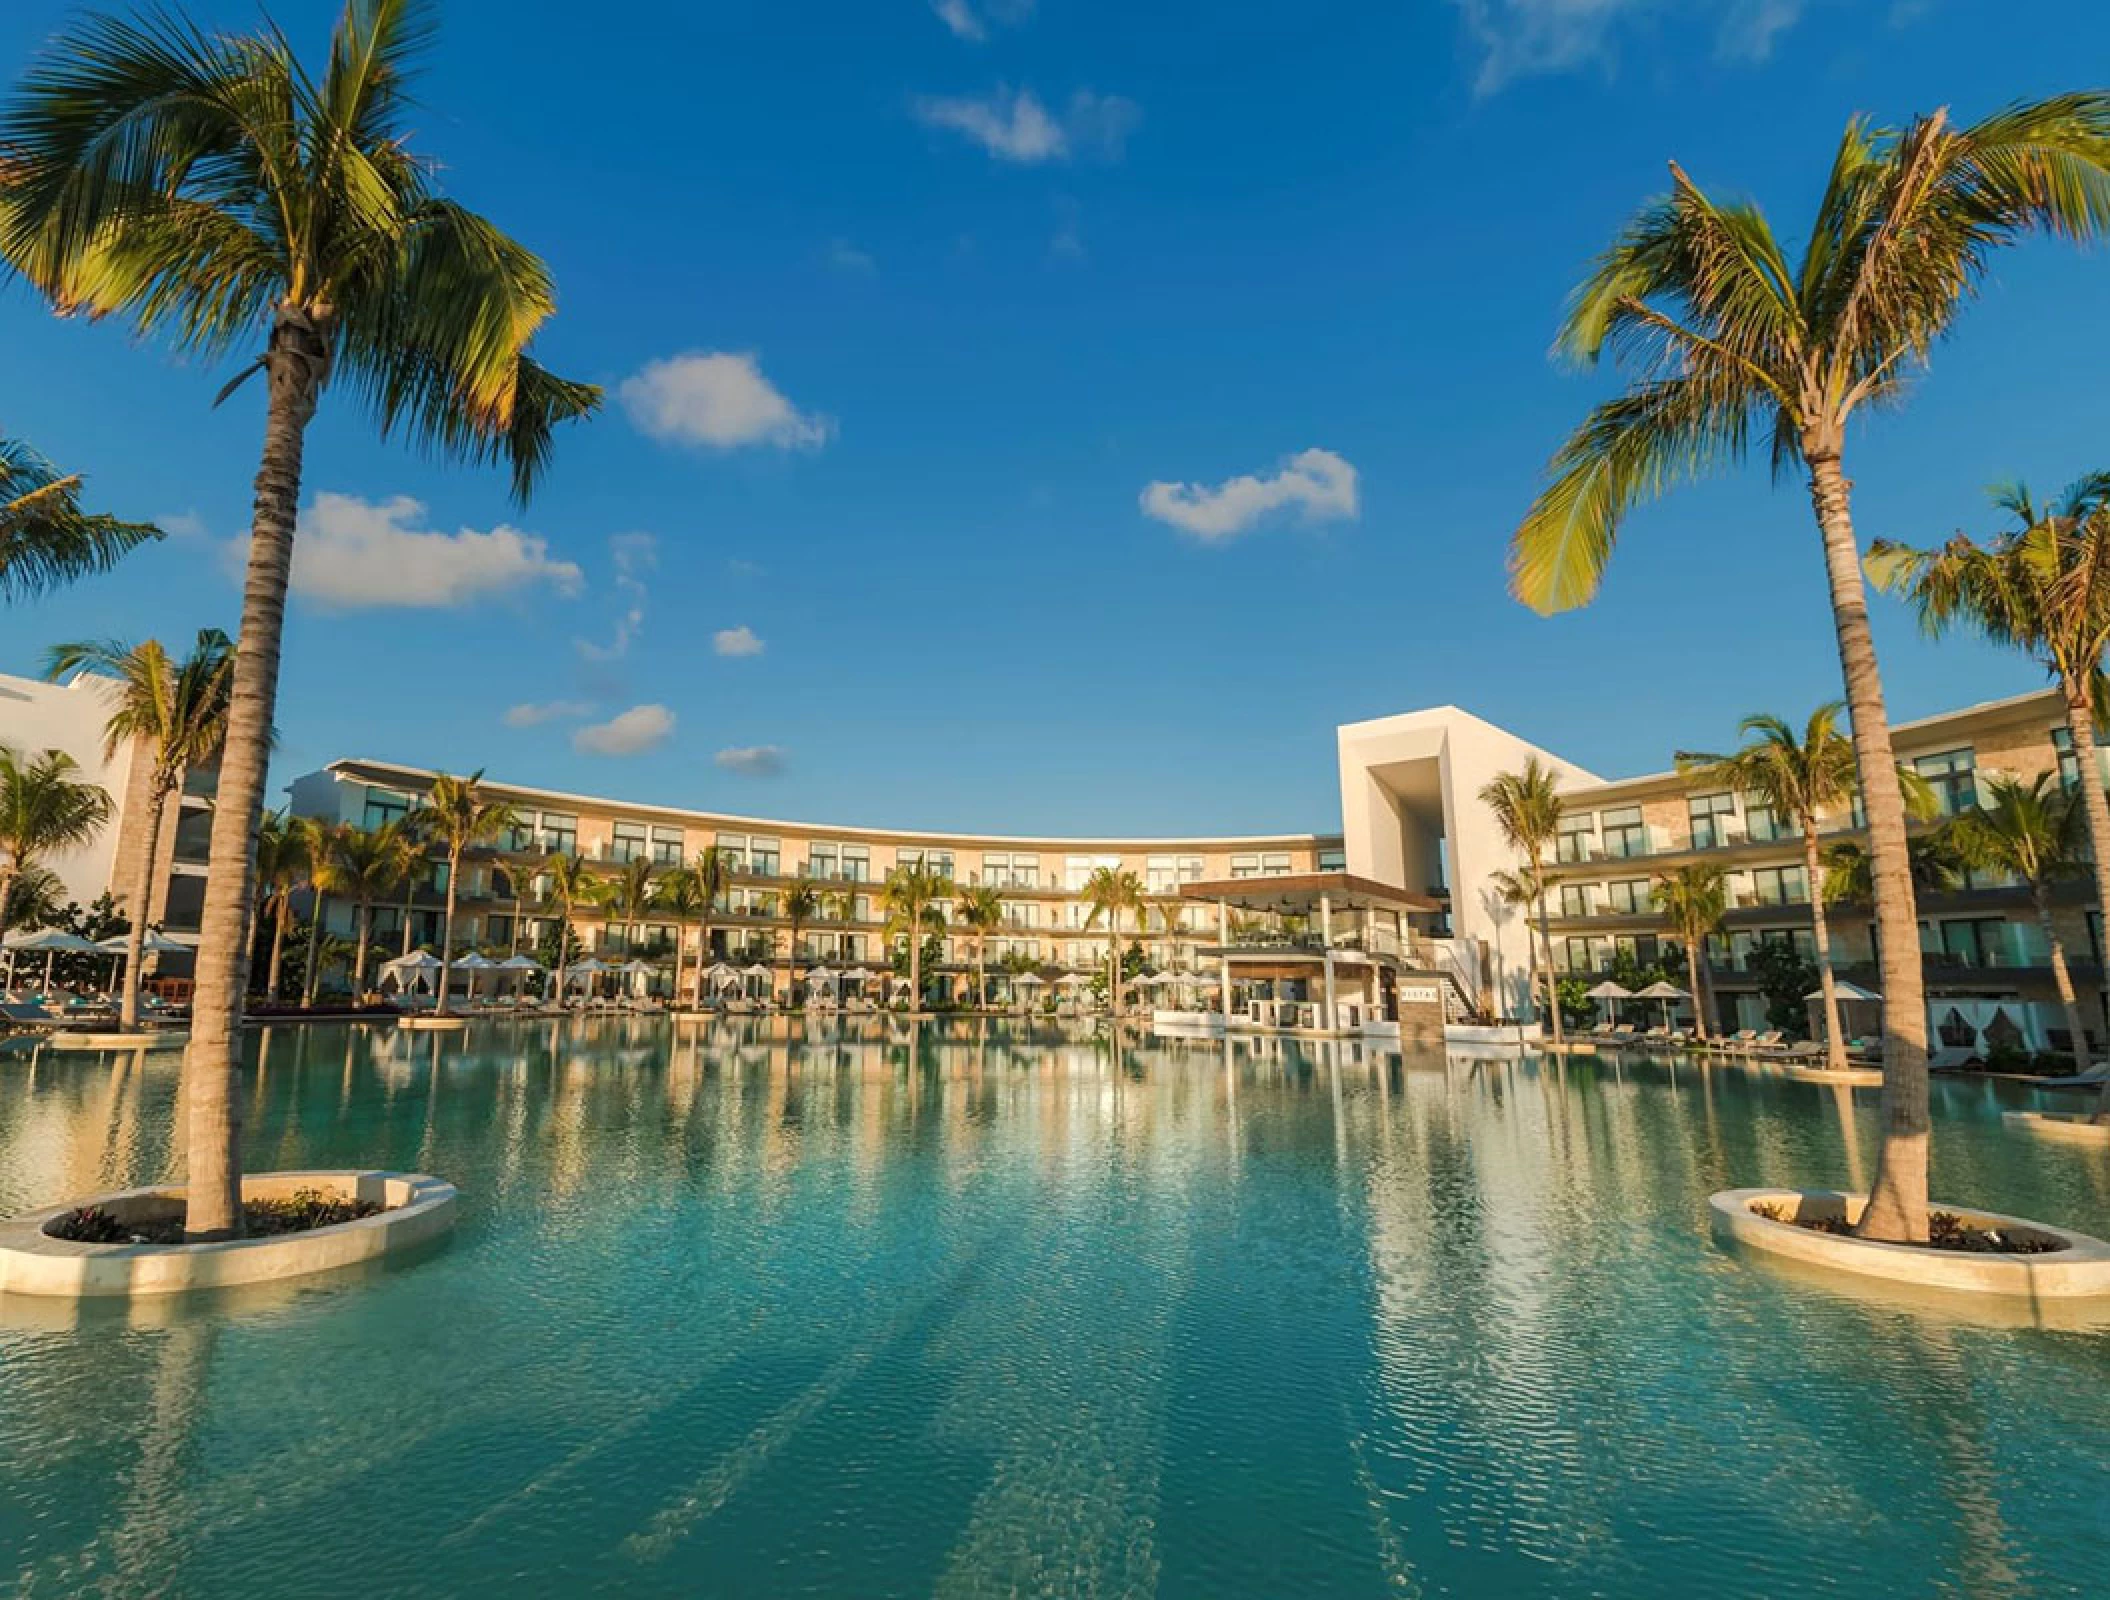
point(1223, 961)
point(1332, 1018)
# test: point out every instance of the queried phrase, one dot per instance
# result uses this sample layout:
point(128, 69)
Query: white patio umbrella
point(1846, 991)
point(154, 944)
point(53, 942)
point(755, 969)
point(1850, 994)
point(521, 963)
point(1029, 980)
point(589, 969)
point(1613, 992)
point(1072, 980)
point(408, 970)
point(1666, 992)
point(473, 963)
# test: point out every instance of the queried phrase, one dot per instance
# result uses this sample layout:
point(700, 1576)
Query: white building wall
point(1410, 789)
point(37, 716)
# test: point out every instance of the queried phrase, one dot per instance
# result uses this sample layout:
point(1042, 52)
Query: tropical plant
point(802, 903)
point(571, 885)
point(1109, 891)
point(1931, 864)
point(911, 897)
point(318, 836)
point(1521, 891)
point(1527, 808)
point(713, 869)
point(679, 895)
point(1731, 340)
point(46, 539)
point(1799, 777)
point(1693, 899)
point(281, 868)
point(459, 817)
point(213, 189)
point(628, 896)
point(175, 709)
point(46, 808)
point(2034, 830)
point(980, 910)
point(365, 865)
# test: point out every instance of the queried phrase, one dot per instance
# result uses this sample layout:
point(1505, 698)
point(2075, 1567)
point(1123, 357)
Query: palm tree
point(802, 903)
point(1527, 808)
point(281, 868)
point(629, 897)
point(46, 539)
point(213, 189)
point(1693, 899)
point(911, 895)
point(980, 909)
point(571, 884)
point(45, 808)
point(365, 865)
point(176, 710)
point(680, 896)
point(2042, 588)
point(1109, 891)
point(459, 818)
point(711, 869)
point(2035, 831)
point(318, 837)
point(1731, 340)
point(1799, 777)
point(1932, 864)
point(1524, 891)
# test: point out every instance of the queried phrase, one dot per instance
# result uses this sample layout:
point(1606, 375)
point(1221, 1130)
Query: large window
point(667, 845)
point(629, 842)
point(1713, 820)
point(936, 862)
point(1578, 838)
point(1624, 833)
point(384, 806)
point(1010, 870)
point(560, 833)
point(1780, 886)
point(1575, 899)
point(1952, 778)
point(1761, 826)
point(1077, 870)
point(1579, 955)
point(1165, 874)
point(1629, 896)
point(1333, 860)
point(762, 856)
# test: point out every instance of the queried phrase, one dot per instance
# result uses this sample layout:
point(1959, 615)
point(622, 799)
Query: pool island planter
point(2067, 1127)
point(427, 1022)
point(1852, 1077)
point(2079, 1269)
point(35, 1262)
point(109, 1039)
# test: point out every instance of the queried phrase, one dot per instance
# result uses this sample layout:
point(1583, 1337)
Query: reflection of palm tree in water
point(156, 1508)
point(1843, 1103)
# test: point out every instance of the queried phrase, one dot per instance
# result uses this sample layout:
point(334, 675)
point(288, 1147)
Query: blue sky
point(903, 310)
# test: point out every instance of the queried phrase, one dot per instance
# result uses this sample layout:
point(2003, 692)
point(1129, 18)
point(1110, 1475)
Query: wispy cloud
point(740, 567)
point(1532, 38)
point(533, 714)
point(635, 554)
point(846, 257)
point(1067, 242)
point(972, 19)
point(350, 553)
point(721, 399)
point(183, 525)
point(1013, 124)
point(628, 733)
point(1318, 483)
point(752, 760)
point(740, 641)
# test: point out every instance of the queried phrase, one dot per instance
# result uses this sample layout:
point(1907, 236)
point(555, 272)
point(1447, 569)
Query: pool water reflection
point(985, 1309)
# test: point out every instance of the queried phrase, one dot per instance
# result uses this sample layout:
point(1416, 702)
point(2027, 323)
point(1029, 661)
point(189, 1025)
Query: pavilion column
point(1223, 961)
point(1332, 1019)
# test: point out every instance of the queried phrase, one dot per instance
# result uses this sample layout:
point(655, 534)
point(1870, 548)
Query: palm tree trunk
point(1821, 936)
point(278, 947)
point(2061, 979)
point(2080, 723)
point(981, 973)
point(915, 964)
point(366, 927)
point(309, 973)
point(1897, 1201)
point(7, 894)
point(1553, 983)
point(1692, 976)
point(142, 905)
point(296, 362)
point(703, 955)
point(454, 862)
point(410, 900)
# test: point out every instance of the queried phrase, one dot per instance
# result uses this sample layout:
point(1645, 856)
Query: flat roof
point(1297, 893)
point(358, 768)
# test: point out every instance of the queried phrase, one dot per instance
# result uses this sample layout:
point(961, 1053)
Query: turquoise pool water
point(984, 1314)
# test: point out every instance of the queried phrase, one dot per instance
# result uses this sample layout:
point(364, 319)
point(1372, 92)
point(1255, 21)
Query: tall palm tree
point(1800, 777)
point(281, 868)
point(678, 894)
point(176, 711)
point(2035, 830)
point(571, 885)
point(1524, 891)
point(318, 836)
point(910, 896)
point(1527, 808)
point(1109, 891)
point(459, 817)
point(46, 539)
point(45, 808)
point(712, 870)
point(802, 903)
point(1693, 899)
point(213, 189)
point(1932, 864)
point(1730, 340)
point(630, 894)
point(365, 865)
point(980, 910)
point(2043, 587)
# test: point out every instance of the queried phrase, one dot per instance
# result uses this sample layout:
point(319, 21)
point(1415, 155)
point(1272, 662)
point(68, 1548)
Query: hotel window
point(560, 834)
point(1577, 957)
point(518, 836)
point(1245, 866)
point(936, 862)
point(628, 842)
point(667, 847)
point(1977, 942)
point(1275, 864)
point(1780, 886)
point(1575, 899)
point(384, 806)
point(1333, 860)
point(1630, 895)
point(1161, 874)
point(1760, 825)
point(1644, 948)
point(762, 856)
point(857, 863)
point(1713, 818)
point(1077, 870)
point(1021, 914)
point(1578, 841)
point(821, 860)
point(1624, 833)
point(1952, 778)
point(732, 851)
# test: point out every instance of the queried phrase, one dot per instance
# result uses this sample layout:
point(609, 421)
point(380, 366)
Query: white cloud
point(532, 714)
point(635, 554)
point(844, 256)
point(972, 19)
point(752, 760)
point(349, 552)
point(628, 733)
point(183, 525)
point(1013, 125)
point(1320, 484)
point(1529, 38)
point(740, 641)
point(718, 398)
